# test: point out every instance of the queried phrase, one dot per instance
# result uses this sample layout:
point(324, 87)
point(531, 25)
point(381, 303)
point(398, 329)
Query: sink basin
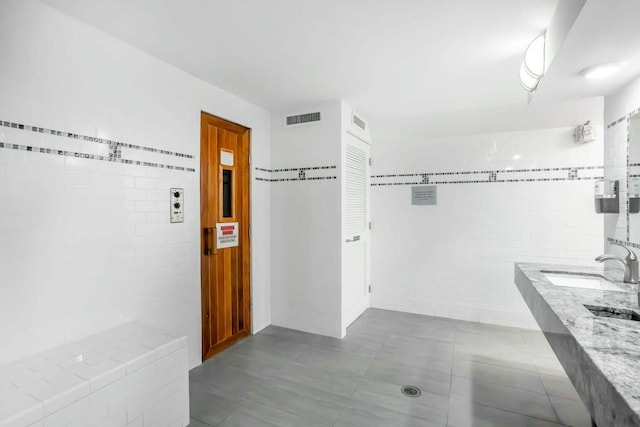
point(616, 313)
point(581, 280)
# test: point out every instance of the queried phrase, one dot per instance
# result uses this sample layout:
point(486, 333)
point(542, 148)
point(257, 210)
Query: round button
point(176, 194)
point(176, 205)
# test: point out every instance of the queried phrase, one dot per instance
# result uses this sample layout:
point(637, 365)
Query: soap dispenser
point(605, 195)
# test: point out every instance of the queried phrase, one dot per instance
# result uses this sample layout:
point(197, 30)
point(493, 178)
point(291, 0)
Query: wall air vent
point(358, 122)
point(302, 119)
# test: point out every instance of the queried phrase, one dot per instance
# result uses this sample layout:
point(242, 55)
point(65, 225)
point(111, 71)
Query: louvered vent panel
point(303, 118)
point(356, 180)
point(359, 122)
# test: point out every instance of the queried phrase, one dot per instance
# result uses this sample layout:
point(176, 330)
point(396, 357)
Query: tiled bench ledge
point(131, 375)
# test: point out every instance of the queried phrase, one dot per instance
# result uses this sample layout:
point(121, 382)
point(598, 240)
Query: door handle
point(209, 244)
point(355, 239)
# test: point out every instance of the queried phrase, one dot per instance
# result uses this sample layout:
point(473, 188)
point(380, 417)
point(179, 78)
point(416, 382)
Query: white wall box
point(319, 205)
point(129, 375)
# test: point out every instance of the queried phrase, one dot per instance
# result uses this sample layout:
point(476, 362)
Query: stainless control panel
point(176, 206)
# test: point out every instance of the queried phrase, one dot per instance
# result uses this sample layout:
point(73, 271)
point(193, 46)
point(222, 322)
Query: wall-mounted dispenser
point(634, 195)
point(605, 194)
point(585, 133)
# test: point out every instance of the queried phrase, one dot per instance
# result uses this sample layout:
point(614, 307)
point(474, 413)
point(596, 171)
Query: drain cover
point(411, 391)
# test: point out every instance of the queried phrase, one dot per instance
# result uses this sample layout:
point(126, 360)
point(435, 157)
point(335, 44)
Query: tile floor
point(470, 374)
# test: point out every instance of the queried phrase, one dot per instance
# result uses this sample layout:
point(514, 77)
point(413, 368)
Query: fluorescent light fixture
point(532, 68)
point(526, 80)
point(534, 57)
point(601, 71)
point(516, 157)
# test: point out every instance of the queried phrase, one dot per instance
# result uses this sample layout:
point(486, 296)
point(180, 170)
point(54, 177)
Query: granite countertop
point(600, 355)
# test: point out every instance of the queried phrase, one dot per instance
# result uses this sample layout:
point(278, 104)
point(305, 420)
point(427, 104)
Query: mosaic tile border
point(307, 168)
point(109, 158)
point(492, 176)
point(626, 202)
point(295, 174)
point(623, 118)
point(115, 148)
point(315, 178)
point(623, 242)
point(108, 142)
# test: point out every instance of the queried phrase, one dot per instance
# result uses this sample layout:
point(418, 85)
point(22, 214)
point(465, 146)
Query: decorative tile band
point(297, 169)
point(307, 173)
point(623, 118)
point(108, 142)
point(571, 173)
point(623, 242)
point(114, 148)
point(91, 156)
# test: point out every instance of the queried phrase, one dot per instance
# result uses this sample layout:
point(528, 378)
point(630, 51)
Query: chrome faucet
point(629, 262)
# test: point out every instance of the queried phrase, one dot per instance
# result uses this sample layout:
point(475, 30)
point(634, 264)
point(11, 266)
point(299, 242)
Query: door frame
point(244, 219)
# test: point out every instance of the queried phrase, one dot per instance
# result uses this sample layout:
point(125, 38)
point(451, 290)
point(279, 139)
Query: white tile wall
point(456, 259)
point(615, 167)
point(306, 225)
point(85, 244)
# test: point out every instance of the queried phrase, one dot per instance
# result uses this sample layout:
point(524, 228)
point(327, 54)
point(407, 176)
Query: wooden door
point(224, 196)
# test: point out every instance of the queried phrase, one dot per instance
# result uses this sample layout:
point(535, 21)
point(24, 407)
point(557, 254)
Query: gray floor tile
point(195, 423)
point(359, 414)
point(504, 333)
point(278, 417)
point(571, 413)
point(349, 344)
point(427, 380)
point(232, 382)
point(310, 405)
point(509, 399)
point(430, 406)
point(208, 406)
point(284, 370)
point(499, 356)
point(470, 374)
point(497, 375)
point(395, 356)
point(559, 387)
point(334, 361)
point(468, 414)
point(272, 345)
point(238, 419)
point(549, 365)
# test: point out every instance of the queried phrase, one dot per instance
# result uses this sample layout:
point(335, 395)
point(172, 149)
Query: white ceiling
point(604, 31)
point(388, 59)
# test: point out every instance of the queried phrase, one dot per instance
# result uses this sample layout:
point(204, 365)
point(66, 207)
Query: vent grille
point(303, 118)
point(356, 177)
point(359, 122)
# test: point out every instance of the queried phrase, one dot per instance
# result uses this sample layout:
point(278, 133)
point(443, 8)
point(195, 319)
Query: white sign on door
point(226, 235)
point(226, 157)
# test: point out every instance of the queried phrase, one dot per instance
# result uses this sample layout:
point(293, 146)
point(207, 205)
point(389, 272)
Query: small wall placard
point(227, 235)
point(424, 195)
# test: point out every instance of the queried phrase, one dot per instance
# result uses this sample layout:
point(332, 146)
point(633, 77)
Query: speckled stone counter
point(600, 355)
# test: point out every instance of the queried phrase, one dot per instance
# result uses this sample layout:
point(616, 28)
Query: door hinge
point(369, 225)
point(369, 288)
point(370, 161)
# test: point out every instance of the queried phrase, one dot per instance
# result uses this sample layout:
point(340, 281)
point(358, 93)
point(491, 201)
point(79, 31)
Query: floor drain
point(411, 391)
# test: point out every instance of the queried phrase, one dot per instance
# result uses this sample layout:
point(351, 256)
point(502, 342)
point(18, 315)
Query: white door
point(355, 260)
